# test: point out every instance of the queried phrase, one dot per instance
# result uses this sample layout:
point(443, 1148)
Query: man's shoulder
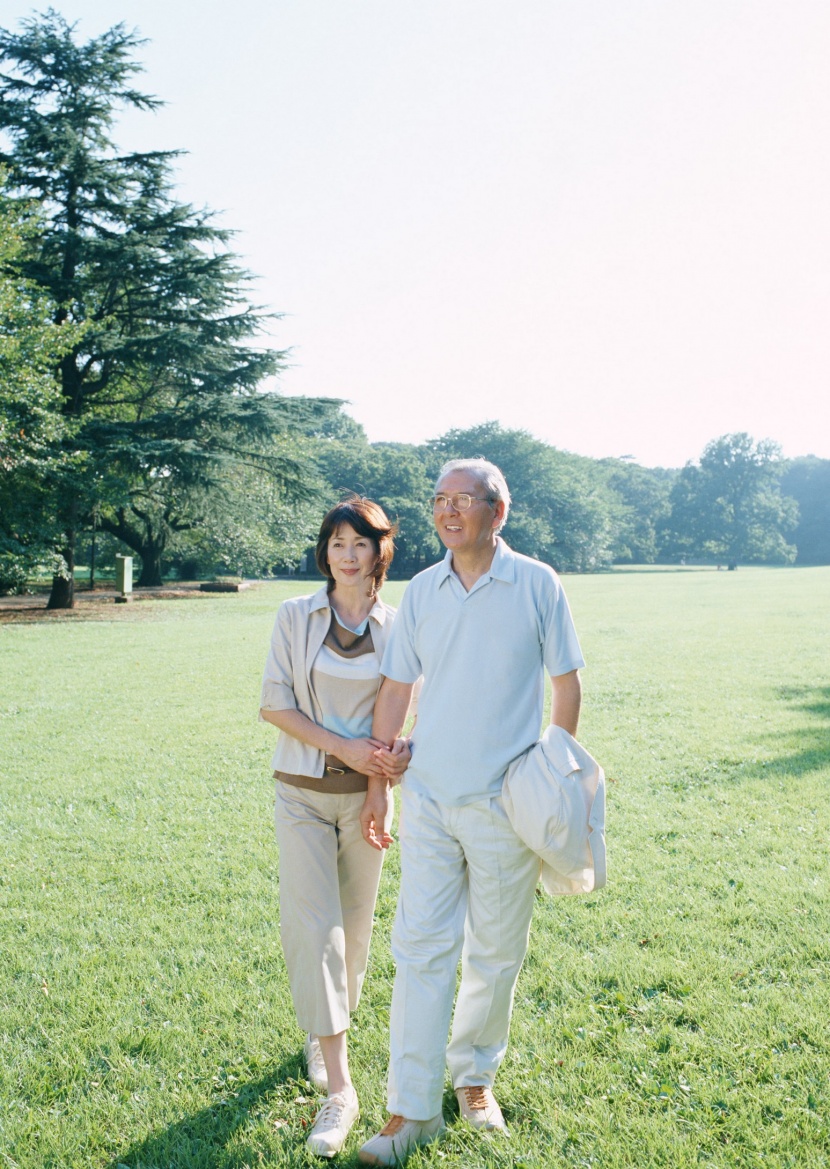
point(530, 569)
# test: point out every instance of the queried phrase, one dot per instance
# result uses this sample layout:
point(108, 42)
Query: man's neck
point(471, 567)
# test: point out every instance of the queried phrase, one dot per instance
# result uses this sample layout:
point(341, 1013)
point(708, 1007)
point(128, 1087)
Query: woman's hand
point(362, 755)
point(394, 762)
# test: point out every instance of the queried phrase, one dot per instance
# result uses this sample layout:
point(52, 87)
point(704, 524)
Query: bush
point(12, 577)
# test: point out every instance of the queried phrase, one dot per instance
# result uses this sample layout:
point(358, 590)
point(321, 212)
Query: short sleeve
point(278, 679)
point(400, 659)
point(561, 650)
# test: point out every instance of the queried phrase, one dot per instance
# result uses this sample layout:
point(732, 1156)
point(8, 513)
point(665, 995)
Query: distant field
point(679, 1018)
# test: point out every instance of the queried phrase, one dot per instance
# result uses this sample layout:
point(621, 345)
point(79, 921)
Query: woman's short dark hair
point(368, 519)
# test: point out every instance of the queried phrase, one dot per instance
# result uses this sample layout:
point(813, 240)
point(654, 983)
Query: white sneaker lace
point(331, 1112)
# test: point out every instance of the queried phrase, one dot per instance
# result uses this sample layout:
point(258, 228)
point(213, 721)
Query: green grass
point(678, 1018)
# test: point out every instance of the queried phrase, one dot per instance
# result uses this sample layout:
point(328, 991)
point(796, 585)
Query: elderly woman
point(319, 689)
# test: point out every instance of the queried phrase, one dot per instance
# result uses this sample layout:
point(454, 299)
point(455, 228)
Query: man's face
point(466, 531)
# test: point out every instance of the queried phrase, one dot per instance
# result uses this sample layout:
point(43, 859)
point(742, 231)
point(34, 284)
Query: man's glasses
point(460, 502)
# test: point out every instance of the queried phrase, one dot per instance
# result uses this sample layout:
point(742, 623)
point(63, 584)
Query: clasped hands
point(384, 767)
point(377, 760)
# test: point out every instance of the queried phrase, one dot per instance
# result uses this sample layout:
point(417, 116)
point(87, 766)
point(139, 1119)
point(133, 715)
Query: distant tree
point(807, 481)
point(643, 494)
point(246, 525)
point(164, 387)
point(562, 510)
point(729, 507)
point(395, 475)
point(235, 486)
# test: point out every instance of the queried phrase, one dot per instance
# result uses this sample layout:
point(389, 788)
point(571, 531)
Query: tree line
point(740, 503)
point(137, 408)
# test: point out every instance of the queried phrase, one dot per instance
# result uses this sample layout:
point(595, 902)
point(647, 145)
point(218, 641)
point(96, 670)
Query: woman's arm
point(358, 754)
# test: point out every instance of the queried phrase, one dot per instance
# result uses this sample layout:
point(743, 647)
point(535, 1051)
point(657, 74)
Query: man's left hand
point(374, 815)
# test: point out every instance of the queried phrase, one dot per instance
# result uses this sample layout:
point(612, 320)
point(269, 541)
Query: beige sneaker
point(478, 1105)
point(398, 1138)
point(333, 1122)
point(315, 1063)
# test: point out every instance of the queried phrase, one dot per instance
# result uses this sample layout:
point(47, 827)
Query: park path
point(90, 603)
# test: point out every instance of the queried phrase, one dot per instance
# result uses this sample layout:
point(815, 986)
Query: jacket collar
point(320, 600)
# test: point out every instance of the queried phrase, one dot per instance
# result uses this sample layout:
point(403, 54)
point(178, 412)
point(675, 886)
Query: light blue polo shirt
point(483, 656)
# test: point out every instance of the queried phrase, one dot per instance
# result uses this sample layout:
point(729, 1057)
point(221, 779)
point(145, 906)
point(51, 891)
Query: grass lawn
point(679, 1018)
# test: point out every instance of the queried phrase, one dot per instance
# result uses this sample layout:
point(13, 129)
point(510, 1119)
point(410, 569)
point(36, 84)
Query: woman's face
point(352, 558)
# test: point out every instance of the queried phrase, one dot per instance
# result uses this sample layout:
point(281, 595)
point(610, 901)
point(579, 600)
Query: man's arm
point(390, 714)
point(390, 710)
point(566, 701)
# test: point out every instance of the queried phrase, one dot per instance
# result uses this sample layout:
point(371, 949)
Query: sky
point(601, 221)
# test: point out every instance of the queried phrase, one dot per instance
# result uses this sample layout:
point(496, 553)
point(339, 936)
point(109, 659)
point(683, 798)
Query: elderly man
point(482, 627)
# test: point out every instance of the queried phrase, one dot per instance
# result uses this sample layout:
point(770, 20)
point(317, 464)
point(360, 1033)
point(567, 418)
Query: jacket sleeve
point(278, 679)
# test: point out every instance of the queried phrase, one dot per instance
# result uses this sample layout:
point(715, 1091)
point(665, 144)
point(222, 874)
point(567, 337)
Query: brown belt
point(335, 766)
point(337, 779)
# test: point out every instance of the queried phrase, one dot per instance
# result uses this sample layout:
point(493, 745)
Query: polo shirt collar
point(320, 600)
point(503, 566)
point(504, 563)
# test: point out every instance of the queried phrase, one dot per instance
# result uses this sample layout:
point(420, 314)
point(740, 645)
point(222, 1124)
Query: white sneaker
point(333, 1122)
point(315, 1063)
point(398, 1138)
point(479, 1107)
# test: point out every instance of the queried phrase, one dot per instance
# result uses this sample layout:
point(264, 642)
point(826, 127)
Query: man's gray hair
point(489, 478)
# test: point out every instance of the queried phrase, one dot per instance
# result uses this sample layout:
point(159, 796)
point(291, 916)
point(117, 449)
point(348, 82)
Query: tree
point(245, 523)
point(643, 494)
point(31, 425)
point(397, 477)
point(730, 507)
point(250, 490)
point(807, 481)
point(164, 387)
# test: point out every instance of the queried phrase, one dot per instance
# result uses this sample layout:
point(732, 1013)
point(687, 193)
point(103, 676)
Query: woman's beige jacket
point(299, 630)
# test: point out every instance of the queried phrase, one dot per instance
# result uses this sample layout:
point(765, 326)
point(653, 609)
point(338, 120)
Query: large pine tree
point(34, 434)
point(165, 385)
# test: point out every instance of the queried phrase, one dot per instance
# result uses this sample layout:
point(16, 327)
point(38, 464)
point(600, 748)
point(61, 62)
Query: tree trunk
point(62, 595)
point(148, 547)
point(150, 577)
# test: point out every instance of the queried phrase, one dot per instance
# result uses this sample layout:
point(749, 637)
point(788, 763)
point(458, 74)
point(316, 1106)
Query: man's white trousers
point(467, 889)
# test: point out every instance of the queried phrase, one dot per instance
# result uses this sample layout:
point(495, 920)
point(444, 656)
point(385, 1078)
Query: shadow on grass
point(813, 751)
point(199, 1141)
point(795, 752)
point(811, 740)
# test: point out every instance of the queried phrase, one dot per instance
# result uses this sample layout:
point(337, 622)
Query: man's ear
point(498, 512)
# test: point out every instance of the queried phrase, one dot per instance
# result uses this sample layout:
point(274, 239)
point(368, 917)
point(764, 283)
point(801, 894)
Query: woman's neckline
point(361, 628)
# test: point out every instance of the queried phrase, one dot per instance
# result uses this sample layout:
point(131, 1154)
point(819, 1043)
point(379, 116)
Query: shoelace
point(331, 1111)
point(476, 1096)
point(393, 1125)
